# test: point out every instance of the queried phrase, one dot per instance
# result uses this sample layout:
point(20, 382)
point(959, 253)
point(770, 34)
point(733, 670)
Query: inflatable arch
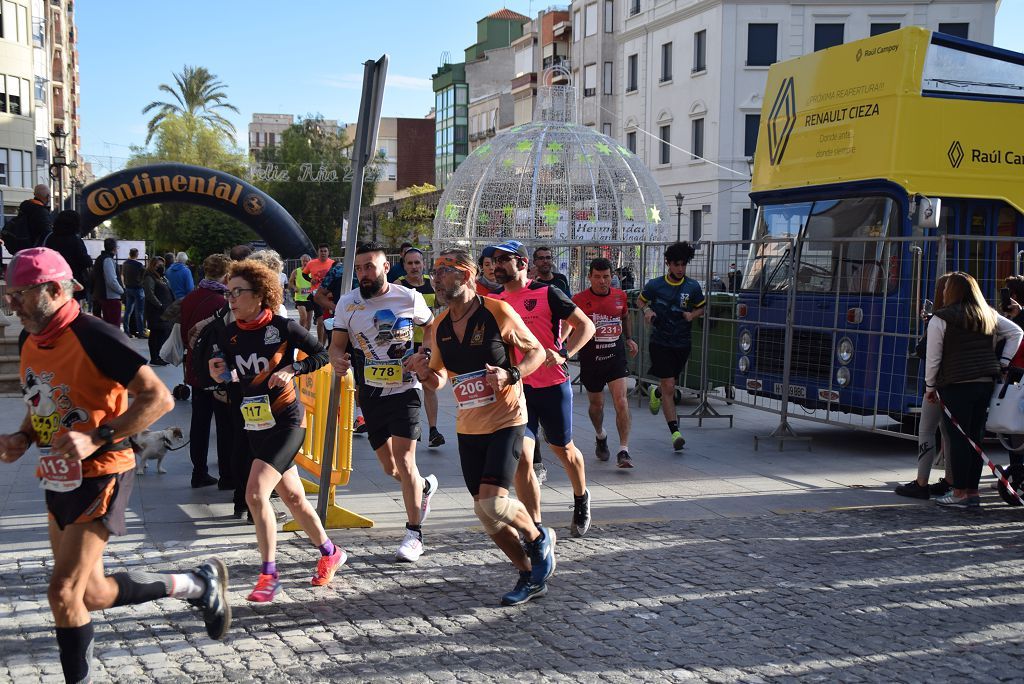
point(158, 183)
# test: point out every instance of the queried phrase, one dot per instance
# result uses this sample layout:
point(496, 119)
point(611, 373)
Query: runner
point(315, 271)
point(472, 340)
point(415, 279)
point(603, 359)
point(670, 304)
point(76, 373)
point(325, 297)
point(545, 263)
point(548, 389)
point(258, 354)
point(302, 288)
point(378, 318)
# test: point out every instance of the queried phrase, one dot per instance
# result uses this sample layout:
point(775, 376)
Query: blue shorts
point(550, 407)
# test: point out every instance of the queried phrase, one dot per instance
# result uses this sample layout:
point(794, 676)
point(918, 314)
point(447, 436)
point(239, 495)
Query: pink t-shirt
point(543, 309)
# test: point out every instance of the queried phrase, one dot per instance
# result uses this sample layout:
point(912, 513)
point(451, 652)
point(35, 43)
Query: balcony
point(524, 82)
point(562, 28)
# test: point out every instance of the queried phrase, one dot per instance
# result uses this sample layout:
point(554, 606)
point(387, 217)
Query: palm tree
point(197, 97)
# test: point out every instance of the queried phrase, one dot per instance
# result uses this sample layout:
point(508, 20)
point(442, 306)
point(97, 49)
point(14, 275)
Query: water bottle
point(226, 375)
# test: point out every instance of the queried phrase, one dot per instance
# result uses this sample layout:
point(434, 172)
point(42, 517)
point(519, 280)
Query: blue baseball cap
point(511, 246)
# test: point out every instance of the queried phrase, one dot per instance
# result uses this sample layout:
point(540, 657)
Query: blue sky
point(284, 57)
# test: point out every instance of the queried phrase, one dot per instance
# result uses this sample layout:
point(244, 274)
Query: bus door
point(973, 218)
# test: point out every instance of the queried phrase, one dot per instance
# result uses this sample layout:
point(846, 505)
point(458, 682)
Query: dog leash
point(996, 470)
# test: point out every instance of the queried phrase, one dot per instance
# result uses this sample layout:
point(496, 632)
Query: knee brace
point(499, 511)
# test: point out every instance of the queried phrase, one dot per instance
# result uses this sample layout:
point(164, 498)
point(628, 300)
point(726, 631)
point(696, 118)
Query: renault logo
point(781, 121)
point(955, 154)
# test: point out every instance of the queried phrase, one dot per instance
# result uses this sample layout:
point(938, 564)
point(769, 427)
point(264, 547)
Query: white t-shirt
point(381, 328)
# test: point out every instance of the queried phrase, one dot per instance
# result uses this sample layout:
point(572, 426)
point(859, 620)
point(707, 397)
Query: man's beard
point(37, 321)
point(446, 296)
point(373, 289)
point(501, 276)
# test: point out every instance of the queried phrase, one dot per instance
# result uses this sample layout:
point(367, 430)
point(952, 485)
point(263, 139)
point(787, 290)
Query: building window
point(606, 129)
point(590, 20)
point(884, 27)
point(3, 167)
point(22, 30)
point(696, 224)
point(634, 7)
point(762, 44)
point(590, 80)
point(747, 227)
point(631, 72)
point(14, 95)
point(665, 153)
point(577, 30)
point(609, 16)
point(700, 51)
point(16, 174)
point(608, 73)
point(666, 62)
point(40, 90)
point(631, 141)
point(955, 29)
point(827, 35)
point(752, 124)
point(697, 144)
point(3, 93)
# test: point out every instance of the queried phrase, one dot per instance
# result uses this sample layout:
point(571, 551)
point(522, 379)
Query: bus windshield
point(824, 262)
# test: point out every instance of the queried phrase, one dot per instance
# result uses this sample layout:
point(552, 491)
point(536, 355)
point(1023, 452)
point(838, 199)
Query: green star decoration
point(654, 214)
point(550, 159)
point(551, 213)
point(524, 145)
point(507, 162)
point(484, 149)
point(555, 147)
point(509, 211)
point(585, 158)
point(628, 213)
point(451, 212)
point(623, 151)
point(483, 218)
point(603, 148)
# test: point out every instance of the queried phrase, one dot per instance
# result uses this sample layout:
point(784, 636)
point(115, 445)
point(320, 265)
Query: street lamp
point(73, 166)
point(679, 216)
point(59, 137)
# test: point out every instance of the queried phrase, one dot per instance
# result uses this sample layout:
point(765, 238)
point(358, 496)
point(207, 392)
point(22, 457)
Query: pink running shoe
point(327, 566)
point(266, 589)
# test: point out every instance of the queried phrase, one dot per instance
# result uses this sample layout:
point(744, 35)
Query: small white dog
point(150, 445)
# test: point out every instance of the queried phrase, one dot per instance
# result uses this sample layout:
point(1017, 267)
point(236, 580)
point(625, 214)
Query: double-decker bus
point(881, 164)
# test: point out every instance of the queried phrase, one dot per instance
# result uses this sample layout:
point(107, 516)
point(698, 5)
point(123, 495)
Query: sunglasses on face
point(503, 259)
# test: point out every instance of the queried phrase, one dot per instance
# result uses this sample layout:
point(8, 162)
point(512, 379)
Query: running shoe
point(436, 438)
point(214, 601)
point(267, 587)
point(429, 489)
point(912, 490)
point(951, 500)
point(359, 427)
point(411, 547)
point(540, 472)
point(940, 487)
point(327, 566)
point(581, 515)
point(623, 459)
point(601, 449)
point(654, 401)
point(678, 441)
point(524, 590)
point(542, 555)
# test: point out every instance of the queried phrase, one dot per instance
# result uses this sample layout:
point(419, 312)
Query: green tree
point(414, 221)
point(198, 98)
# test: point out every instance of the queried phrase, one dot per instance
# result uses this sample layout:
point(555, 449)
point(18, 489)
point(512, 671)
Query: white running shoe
point(411, 547)
point(429, 489)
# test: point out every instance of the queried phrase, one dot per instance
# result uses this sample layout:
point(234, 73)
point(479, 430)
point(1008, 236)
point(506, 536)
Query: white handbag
point(1006, 410)
point(173, 349)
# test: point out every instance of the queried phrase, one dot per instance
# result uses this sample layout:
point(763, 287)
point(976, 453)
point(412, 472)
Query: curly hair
point(215, 266)
point(680, 251)
point(262, 279)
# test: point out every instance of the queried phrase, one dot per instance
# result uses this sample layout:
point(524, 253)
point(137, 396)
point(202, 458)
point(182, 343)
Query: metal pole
point(679, 224)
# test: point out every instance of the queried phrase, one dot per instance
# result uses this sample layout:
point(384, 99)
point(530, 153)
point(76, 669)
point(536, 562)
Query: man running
point(415, 279)
point(670, 304)
point(471, 347)
point(545, 263)
point(315, 270)
point(76, 375)
point(603, 359)
point(378, 318)
point(302, 289)
point(548, 389)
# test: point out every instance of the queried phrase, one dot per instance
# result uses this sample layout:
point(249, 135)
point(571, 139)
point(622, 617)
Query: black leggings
point(491, 459)
point(968, 403)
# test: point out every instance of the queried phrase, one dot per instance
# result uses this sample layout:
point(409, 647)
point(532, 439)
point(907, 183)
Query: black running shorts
point(668, 362)
point(276, 447)
point(103, 498)
point(596, 374)
point(393, 415)
point(490, 459)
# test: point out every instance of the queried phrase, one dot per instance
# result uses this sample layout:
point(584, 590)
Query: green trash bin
point(721, 356)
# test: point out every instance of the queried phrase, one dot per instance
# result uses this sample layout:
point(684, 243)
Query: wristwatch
point(514, 375)
point(105, 433)
point(296, 367)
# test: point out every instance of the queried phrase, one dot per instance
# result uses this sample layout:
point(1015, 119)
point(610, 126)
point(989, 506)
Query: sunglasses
point(236, 292)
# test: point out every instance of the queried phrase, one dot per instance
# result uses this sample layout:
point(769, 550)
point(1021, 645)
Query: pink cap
point(38, 265)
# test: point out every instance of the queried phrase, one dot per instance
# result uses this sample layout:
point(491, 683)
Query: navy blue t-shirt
point(670, 300)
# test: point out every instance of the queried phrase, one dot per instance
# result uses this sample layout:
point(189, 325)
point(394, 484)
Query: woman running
point(258, 353)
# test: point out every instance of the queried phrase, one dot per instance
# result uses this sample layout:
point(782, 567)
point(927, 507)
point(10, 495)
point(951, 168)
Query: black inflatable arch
point(158, 183)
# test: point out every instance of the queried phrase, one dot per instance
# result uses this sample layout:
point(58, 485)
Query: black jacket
point(38, 218)
point(72, 248)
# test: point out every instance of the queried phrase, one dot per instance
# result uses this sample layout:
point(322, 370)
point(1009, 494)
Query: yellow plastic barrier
point(315, 393)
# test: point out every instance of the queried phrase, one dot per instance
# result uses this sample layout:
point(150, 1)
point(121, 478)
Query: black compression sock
point(140, 587)
point(414, 528)
point(673, 425)
point(75, 644)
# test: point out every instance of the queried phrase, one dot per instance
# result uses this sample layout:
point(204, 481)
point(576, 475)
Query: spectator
point(1015, 284)
point(179, 277)
point(66, 240)
point(960, 370)
point(132, 271)
point(544, 261)
point(158, 298)
point(272, 260)
point(197, 310)
point(735, 278)
point(240, 252)
point(37, 214)
point(107, 287)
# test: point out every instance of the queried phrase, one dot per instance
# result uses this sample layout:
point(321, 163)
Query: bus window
point(1006, 226)
point(767, 262)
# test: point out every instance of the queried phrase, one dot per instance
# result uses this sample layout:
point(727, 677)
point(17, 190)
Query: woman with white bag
point(961, 369)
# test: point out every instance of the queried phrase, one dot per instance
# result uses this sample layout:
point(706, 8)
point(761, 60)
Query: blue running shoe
point(542, 555)
point(524, 591)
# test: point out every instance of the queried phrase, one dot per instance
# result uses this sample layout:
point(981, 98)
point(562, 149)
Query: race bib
point(58, 473)
point(608, 331)
point(383, 372)
point(472, 390)
point(304, 290)
point(257, 414)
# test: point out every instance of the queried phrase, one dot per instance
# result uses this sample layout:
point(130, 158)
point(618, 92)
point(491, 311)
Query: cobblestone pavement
point(885, 594)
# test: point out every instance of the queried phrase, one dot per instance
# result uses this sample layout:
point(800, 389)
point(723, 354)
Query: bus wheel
point(1015, 474)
